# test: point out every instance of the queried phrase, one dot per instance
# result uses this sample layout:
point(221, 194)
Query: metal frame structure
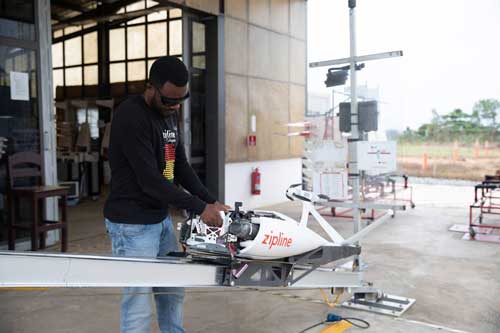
point(486, 204)
point(374, 192)
point(369, 303)
point(356, 134)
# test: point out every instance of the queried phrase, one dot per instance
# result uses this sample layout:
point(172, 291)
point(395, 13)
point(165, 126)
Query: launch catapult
point(252, 248)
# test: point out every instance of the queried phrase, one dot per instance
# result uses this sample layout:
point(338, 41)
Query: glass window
point(136, 70)
point(67, 59)
point(58, 33)
point(9, 66)
point(136, 43)
point(73, 51)
point(175, 13)
point(90, 25)
point(17, 29)
point(57, 80)
point(198, 37)
point(32, 62)
point(175, 37)
point(90, 75)
point(71, 29)
point(117, 44)
point(18, 118)
point(117, 72)
point(157, 16)
point(33, 88)
point(90, 116)
point(134, 47)
point(20, 60)
point(57, 55)
point(137, 20)
point(90, 47)
point(73, 76)
point(199, 62)
point(17, 19)
point(157, 39)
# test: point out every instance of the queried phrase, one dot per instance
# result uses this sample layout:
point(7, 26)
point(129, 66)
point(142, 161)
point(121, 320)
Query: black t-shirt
point(146, 155)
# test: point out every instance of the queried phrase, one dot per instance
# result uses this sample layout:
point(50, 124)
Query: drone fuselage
point(280, 238)
point(264, 235)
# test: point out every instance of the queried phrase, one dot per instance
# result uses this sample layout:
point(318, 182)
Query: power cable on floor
point(333, 318)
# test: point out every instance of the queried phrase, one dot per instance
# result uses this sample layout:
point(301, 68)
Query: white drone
point(264, 235)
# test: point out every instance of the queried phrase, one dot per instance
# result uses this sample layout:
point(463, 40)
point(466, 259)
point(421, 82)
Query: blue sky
point(451, 53)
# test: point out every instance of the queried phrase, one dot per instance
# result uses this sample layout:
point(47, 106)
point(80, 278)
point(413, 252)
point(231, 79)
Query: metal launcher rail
point(25, 269)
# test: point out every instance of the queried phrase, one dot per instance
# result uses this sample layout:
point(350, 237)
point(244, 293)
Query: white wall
point(276, 177)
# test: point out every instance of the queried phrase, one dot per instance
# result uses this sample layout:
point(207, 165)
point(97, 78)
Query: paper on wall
point(19, 86)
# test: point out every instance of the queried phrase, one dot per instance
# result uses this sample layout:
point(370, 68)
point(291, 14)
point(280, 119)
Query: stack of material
point(65, 136)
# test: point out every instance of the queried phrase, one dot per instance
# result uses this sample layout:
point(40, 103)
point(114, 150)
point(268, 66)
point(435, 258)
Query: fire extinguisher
point(256, 182)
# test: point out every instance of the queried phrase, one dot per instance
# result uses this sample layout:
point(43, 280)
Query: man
point(146, 155)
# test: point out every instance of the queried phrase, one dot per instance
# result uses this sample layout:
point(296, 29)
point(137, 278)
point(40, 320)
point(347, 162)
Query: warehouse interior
point(101, 53)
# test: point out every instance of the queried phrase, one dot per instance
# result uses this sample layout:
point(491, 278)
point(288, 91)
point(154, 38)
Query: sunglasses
point(166, 101)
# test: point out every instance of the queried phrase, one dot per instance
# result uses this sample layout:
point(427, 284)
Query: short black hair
point(169, 69)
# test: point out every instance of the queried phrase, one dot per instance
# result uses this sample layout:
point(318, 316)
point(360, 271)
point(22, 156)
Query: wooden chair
point(29, 165)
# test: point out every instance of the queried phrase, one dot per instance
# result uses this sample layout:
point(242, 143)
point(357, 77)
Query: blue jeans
point(147, 240)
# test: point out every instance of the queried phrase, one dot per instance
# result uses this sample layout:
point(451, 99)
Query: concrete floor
point(456, 282)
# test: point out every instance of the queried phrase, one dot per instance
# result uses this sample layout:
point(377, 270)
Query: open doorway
point(204, 119)
point(110, 60)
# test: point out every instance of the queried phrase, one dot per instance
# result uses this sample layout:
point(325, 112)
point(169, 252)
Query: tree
point(487, 109)
point(436, 118)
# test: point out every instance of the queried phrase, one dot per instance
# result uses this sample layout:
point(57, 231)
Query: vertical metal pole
point(355, 135)
point(45, 104)
point(186, 58)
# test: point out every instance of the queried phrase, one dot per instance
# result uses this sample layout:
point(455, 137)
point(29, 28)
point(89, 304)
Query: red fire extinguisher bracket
point(252, 140)
point(255, 177)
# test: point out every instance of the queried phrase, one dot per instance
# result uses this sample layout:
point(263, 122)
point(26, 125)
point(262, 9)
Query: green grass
point(445, 151)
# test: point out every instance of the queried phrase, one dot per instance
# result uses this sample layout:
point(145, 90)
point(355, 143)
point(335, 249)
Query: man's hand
point(222, 207)
point(211, 215)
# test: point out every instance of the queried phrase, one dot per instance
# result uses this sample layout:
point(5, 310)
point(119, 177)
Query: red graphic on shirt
point(168, 172)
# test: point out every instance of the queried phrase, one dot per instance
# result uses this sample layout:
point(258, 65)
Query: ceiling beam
point(95, 14)
point(72, 5)
point(107, 15)
point(56, 16)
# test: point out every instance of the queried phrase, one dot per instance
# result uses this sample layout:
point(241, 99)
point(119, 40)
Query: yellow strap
point(327, 301)
point(338, 327)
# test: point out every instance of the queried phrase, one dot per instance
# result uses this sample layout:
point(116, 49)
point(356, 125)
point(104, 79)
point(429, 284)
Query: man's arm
point(188, 178)
point(136, 145)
